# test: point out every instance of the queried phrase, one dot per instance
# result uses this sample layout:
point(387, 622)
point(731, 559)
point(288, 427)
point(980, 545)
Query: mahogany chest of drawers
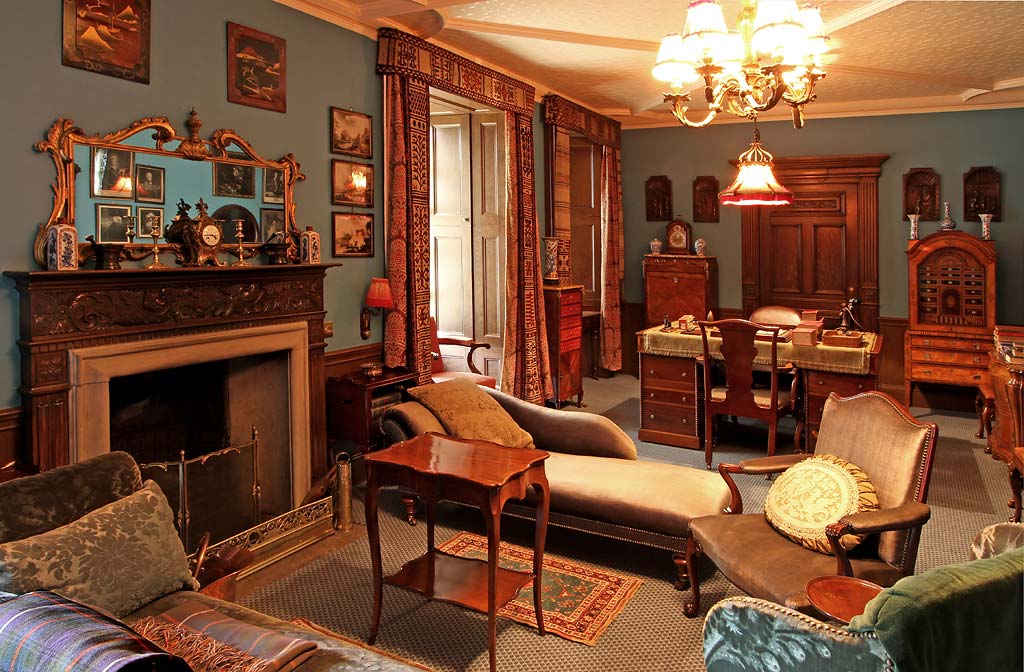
point(679, 284)
point(952, 310)
point(563, 314)
point(670, 410)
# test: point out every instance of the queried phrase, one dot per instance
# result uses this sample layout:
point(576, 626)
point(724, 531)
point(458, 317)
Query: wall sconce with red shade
point(378, 296)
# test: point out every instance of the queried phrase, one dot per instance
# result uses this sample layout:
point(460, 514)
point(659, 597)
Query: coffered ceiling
point(889, 56)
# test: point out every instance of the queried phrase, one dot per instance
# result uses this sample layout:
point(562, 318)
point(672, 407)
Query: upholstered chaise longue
point(596, 482)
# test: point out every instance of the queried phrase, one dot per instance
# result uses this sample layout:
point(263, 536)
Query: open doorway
point(467, 228)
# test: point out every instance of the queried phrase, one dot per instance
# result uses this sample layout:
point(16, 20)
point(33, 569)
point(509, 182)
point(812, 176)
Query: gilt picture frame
point(351, 234)
point(351, 133)
point(351, 183)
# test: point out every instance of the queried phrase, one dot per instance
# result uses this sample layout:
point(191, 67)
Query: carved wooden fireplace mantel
point(64, 311)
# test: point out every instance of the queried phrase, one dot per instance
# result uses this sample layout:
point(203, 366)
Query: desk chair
point(438, 374)
point(739, 396)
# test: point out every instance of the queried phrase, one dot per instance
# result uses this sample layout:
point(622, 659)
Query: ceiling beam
point(378, 9)
point(551, 35)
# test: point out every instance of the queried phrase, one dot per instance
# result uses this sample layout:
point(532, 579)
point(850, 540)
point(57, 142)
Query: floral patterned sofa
point(37, 504)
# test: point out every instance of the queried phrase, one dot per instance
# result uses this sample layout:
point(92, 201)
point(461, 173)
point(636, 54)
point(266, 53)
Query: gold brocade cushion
point(814, 493)
point(467, 412)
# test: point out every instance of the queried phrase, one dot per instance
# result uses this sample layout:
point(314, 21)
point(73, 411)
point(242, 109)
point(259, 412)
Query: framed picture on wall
point(111, 38)
point(352, 235)
point(112, 222)
point(272, 225)
point(231, 179)
point(111, 173)
point(351, 133)
point(149, 184)
point(256, 68)
point(148, 217)
point(273, 185)
point(351, 183)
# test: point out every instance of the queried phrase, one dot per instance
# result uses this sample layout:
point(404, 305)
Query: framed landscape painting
point(256, 68)
point(352, 235)
point(351, 133)
point(111, 37)
point(351, 183)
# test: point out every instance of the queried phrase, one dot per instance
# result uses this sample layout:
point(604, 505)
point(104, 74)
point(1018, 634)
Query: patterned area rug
point(579, 601)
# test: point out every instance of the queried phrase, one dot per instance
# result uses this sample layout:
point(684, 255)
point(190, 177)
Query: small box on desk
point(808, 332)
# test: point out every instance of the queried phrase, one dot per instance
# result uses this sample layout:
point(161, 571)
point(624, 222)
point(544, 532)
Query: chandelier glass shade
point(773, 56)
point(755, 184)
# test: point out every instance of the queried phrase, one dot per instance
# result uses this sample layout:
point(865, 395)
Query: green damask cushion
point(117, 558)
point(815, 493)
point(467, 412)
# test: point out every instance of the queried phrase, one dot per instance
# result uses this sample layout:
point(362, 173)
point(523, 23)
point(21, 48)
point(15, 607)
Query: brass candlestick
point(155, 235)
point(129, 230)
point(241, 251)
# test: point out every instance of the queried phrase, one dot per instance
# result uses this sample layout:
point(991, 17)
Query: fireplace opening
point(201, 409)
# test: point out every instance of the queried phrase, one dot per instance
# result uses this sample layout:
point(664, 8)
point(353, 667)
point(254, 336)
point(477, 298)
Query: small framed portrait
point(149, 184)
point(351, 183)
point(273, 185)
point(112, 222)
point(272, 225)
point(351, 133)
point(111, 173)
point(352, 235)
point(148, 218)
point(256, 68)
point(232, 179)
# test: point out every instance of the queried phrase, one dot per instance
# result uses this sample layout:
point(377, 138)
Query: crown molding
point(471, 26)
point(1002, 85)
point(339, 12)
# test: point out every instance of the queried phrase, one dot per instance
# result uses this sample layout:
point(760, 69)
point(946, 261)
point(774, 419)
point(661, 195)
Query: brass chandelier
point(774, 55)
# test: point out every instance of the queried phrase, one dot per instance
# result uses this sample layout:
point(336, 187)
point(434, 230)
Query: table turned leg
point(493, 516)
point(373, 534)
point(539, 535)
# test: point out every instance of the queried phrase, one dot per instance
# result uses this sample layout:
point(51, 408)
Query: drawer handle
point(685, 421)
point(652, 416)
point(652, 395)
point(860, 386)
point(821, 382)
point(977, 346)
point(927, 372)
point(977, 360)
point(675, 281)
point(927, 355)
point(927, 341)
point(651, 372)
point(977, 376)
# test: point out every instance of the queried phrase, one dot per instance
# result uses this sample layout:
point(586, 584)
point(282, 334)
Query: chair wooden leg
point(979, 408)
point(709, 437)
point(693, 552)
point(773, 427)
point(682, 580)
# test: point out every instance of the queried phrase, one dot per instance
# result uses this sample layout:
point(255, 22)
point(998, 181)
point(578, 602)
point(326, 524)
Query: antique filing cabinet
point(670, 410)
point(679, 284)
point(952, 310)
point(563, 313)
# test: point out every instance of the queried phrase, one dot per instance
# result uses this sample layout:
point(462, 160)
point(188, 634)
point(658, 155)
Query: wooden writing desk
point(478, 473)
point(671, 393)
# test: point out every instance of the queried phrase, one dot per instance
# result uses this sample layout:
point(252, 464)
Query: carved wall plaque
point(921, 194)
point(705, 199)
point(982, 194)
point(658, 196)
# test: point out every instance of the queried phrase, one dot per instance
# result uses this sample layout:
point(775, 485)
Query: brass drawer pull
point(977, 376)
point(927, 355)
point(977, 346)
point(927, 341)
point(977, 360)
point(652, 416)
point(927, 372)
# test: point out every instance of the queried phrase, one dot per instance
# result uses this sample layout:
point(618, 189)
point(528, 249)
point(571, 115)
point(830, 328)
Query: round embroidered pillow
point(815, 493)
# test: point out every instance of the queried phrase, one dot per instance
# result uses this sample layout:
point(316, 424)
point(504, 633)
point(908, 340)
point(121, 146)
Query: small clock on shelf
point(200, 238)
point(678, 237)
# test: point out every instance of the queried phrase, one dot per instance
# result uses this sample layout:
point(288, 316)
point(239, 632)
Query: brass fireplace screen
point(180, 468)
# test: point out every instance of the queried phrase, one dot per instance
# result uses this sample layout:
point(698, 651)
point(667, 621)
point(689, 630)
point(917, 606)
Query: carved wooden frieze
point(572, 117)
point(981, 194)
point(921, 194)
point(92, 311)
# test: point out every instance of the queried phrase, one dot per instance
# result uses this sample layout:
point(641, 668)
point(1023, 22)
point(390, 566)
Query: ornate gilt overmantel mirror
point(118, 189)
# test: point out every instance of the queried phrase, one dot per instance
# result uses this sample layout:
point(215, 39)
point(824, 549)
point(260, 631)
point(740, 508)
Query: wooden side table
point(478, 473)
point(840, 597)
point(356, 400)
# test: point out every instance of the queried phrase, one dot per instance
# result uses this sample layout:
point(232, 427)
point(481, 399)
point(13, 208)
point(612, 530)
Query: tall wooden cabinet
point(679, 284)
point(563, 314)
point(952, 310)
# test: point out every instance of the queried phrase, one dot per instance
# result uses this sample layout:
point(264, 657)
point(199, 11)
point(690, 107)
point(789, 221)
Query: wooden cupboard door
point(451, 241)
point(809, 251)
point(488, 234)
point(585, 218)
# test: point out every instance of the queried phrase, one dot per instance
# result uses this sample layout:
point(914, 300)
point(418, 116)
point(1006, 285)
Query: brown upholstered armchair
point(871, 430)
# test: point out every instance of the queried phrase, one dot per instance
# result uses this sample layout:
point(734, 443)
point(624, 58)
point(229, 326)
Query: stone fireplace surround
point(92, 368)
point(80, 328)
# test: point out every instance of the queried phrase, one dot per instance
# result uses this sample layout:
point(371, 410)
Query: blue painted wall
point(950, 143)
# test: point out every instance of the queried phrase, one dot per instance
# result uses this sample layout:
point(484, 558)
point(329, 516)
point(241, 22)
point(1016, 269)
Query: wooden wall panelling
point(890, 366)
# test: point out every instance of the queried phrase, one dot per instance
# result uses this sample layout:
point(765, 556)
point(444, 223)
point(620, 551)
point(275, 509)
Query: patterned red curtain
point(612, 259)
point(406, 122)
point(526, 371)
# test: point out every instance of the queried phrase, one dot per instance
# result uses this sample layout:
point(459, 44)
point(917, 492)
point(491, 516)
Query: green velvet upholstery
point(957, 617)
